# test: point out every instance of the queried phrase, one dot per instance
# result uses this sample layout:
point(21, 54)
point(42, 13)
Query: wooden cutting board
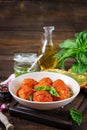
point(59, 118)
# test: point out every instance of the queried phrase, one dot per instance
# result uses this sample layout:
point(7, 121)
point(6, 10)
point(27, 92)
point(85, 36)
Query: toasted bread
point(80, 78)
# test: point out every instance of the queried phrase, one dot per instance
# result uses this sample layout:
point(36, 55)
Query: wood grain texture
point(21, 24)
point(21, 28)
point(59, 118)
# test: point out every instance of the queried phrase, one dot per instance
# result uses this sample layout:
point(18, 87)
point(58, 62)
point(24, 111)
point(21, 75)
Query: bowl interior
point(15, 85)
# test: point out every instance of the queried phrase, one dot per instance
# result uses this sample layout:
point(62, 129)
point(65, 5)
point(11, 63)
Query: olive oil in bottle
point(48, 50)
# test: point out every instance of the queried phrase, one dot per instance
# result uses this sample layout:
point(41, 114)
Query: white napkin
point(8, 80)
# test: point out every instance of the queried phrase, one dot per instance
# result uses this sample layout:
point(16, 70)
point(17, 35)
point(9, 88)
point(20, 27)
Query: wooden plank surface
point(21, 28)
point(58, 118)
point(21, 25)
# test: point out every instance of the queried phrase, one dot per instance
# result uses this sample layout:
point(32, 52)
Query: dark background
point(22, 21)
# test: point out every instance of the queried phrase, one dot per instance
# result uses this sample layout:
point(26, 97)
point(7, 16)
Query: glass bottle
point(47, 50)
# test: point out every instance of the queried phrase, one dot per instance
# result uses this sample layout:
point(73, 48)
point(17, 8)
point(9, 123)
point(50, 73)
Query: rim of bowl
point(53, 102)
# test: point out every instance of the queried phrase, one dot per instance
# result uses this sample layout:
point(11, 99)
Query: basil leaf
point(83, 58)
point(78, 68)
point(60, 54)
point(42, 88)
point(68, 44)
point(76, 116)
point(63, 55)
point(71, 92)
point(30, 97)
point(85, 37)
point(53, 92)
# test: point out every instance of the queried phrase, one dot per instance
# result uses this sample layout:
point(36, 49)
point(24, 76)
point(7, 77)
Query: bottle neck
point(48, 37)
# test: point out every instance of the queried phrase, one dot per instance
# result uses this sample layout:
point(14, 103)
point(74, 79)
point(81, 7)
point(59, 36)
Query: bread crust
point(81, 79)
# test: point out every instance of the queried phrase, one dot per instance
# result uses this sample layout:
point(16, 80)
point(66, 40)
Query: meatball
point(28, 84)
point(42, 96)
point(44, 82)
point(47, 80)
point(23, 94)
point(62, 89)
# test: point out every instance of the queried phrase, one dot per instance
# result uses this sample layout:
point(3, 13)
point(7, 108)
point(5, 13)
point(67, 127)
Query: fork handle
point(5, 121)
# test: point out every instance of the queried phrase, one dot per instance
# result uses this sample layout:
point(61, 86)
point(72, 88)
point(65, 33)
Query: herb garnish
point(74, 49)
point(51, 90)
point(31, 97)
point(76, 116)
point(71, 92)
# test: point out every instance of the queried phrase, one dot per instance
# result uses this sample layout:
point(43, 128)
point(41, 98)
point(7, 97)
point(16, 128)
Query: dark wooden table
point(21, 24)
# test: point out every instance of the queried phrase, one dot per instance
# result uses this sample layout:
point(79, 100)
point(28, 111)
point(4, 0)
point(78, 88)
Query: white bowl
point(15, 85)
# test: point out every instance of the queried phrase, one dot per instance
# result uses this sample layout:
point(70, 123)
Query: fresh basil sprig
point(51, 90)
point(42, 88)
point(76, 116)
point(74, 49)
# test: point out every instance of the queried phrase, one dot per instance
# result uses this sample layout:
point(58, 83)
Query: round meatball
point(23, 94)
point(62, 89)
point(28, 84)
point(47, 80)
point(42, 96)
point(44, 82)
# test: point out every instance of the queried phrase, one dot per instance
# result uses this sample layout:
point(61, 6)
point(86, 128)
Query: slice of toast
point(80, 78)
